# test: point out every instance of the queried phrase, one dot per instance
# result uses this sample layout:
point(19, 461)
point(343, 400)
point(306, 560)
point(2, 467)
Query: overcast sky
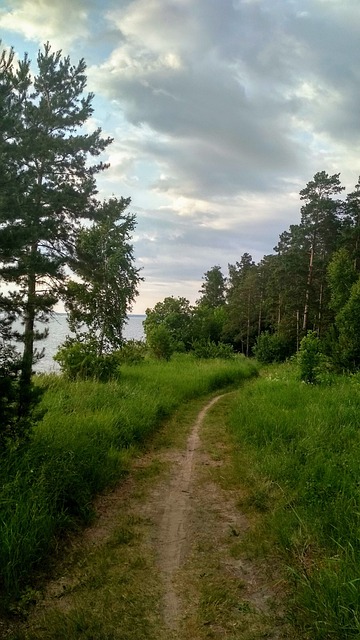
point(221, 111)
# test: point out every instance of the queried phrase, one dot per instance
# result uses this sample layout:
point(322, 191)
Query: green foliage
point(83, 445)
point(14, 429)
point(160, 342)
point(309, 358)
point(48, 186)
point(81, 361)
point(103, 262)
point(243, 304)
point(213, 289)
point(9, 372)
point(208, 323)
point(175, 315)
point(208, 349)
point(271, 347)
point(132, 352)
point(348, 325)
point(341, 276)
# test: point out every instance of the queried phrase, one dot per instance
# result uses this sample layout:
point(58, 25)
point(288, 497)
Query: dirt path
point(165, 559)
point(173, 536)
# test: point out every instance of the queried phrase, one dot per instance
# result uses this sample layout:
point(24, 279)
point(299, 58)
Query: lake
point(58, 330)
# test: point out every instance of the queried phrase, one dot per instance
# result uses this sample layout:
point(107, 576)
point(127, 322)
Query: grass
point(297, 450)
point(229, 595)
point(109, 586)
point(84, 444)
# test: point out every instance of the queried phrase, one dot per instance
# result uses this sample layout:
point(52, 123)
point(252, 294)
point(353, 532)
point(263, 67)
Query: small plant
point(309, 357)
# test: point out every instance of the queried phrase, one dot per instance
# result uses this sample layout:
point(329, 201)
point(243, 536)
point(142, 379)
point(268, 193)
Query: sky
point(221, 112)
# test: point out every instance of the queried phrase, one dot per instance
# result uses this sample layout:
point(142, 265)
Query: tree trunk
point(248, 328)
point(321, 294)
point(279, 311)
point(260, 316)
point(308, 286)
point(297, 330)
point(28, 353)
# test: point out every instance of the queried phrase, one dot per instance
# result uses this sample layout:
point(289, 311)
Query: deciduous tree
point(108, 279)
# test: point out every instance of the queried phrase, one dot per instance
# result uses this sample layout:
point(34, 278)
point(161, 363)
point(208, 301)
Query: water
point(58, 330)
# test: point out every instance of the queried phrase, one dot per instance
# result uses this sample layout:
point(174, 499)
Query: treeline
point(311, 282)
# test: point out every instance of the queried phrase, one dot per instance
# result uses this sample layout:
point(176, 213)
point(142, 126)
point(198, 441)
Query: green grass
point(297, 449)
point(85, 444)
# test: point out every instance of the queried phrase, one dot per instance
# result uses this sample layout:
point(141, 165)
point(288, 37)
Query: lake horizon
point(59, 330)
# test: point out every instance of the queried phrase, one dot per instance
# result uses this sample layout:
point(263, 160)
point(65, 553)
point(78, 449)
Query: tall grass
point(83, 445)
point(302, 445)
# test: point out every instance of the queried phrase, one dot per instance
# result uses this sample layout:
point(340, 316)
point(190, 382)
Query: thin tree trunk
point(28, 353)
point(279, 311)
point(248, 328)
point(321, 295)
point(356, 254)
point(297, 329)
point(260, 317)
point(30, 310)
point(308, 286)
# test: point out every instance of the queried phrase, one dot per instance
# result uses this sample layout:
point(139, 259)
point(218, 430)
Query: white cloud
point(221, 112)
point(60, 23)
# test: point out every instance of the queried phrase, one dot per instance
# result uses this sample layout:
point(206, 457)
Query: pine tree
point(213, 288)
point(243, 303)
point(320, 217)
point(48, 187)
point(351, 230)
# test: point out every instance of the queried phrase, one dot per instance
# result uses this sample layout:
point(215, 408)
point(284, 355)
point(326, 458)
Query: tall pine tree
point(49, 185)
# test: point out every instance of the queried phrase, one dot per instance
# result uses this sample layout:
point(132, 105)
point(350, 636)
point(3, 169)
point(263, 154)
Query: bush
point(309, 357)
point(15, 426)
point(132, 352)
point(160, 342)
point(80, 361)
point(209, 349)
point(271, 347)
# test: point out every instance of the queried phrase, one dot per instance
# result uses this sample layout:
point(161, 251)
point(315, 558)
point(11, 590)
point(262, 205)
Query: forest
point(310, 284)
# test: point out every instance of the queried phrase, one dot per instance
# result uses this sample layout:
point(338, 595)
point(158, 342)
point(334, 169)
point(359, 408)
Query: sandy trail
point(172, 540)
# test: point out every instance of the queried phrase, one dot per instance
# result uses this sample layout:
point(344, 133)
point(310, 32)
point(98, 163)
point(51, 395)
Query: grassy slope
point(84, 444)
point(297, 449)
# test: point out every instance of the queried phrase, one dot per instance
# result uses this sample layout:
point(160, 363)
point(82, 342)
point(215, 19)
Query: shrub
point(160, 342)
point(309, 357)
point(15, 425)
point(132, 352)
point(271, 347)
point(209, 349)
point(80, 361)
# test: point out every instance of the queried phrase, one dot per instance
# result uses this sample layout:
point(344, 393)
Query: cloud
point(41, 21)
point(221, 112)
